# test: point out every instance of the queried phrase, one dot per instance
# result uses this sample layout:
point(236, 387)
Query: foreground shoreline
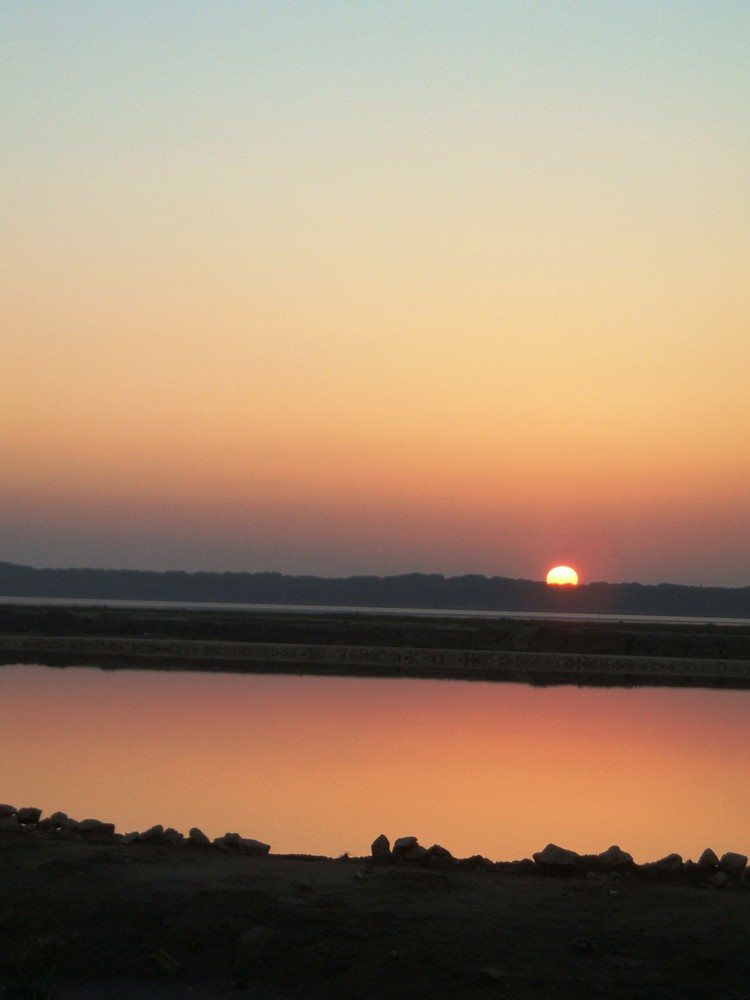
point(348, 644)
point(139, 919)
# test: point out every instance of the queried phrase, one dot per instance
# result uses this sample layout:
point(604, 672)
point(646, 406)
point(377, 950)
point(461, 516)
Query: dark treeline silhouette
point(412, 590)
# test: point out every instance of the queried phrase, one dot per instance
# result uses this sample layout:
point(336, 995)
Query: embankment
point(689, 653)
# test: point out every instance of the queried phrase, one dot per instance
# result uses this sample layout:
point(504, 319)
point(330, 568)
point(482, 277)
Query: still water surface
point(323, 765)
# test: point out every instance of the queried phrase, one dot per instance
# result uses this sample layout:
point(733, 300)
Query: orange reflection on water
point(323, 765)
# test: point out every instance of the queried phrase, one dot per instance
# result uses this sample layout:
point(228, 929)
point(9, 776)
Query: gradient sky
point(377, 287)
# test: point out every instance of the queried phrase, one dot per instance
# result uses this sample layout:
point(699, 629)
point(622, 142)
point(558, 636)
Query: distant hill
point(412, 590)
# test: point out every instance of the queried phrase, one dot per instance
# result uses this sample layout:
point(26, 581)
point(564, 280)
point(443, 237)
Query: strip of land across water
point(620, 653)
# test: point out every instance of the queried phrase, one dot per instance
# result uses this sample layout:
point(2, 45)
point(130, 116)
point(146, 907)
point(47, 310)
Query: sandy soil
point(116, 921)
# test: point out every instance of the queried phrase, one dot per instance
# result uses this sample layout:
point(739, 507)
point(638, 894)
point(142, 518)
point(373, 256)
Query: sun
point(562, 576)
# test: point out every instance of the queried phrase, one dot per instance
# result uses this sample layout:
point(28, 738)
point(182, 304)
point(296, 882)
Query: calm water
point(325, 764)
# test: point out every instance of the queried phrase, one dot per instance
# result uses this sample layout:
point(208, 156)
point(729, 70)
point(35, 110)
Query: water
point(323, 765)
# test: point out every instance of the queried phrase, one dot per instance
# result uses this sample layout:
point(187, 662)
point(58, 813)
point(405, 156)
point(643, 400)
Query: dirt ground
point(112, 921)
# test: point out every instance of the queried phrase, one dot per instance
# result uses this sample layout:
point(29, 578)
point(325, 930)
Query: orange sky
point(334, 290)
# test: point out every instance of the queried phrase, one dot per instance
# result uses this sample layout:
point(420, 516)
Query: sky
point(377, 287)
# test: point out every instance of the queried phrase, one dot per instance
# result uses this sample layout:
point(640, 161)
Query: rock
point(440, 857)
point(440, 852)
point(733, 864)
point(6, 810)
point(29, 814)
point(9, 822)
point(523, 867)
point(245, 845)
point(557, 857)
point(154, 835)
point(708, 859)
point(476, 862)
point(402, 845)
point(255, 847)
point(720, 879)
point(158, 835)
point(613, 857)
point(94, 829)
point(409, 849)
point(198, 837)
point(228, 841)
point(381, 848)
point(65, 833)
point(670, 863)
point(56, 821)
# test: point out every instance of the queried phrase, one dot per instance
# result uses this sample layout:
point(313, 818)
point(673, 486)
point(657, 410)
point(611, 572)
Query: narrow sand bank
point(536, 652)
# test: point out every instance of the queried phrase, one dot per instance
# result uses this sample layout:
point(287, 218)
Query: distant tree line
point(472, 592)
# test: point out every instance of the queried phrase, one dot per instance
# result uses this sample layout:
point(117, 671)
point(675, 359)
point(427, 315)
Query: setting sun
point(562, 576)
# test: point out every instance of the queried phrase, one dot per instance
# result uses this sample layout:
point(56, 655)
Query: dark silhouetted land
point(89, 918)
point(413, 590)
point(537, 651)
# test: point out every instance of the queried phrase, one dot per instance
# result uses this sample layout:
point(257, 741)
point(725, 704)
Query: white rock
point(245, 845)
point(249, 846)
point(96, 828)
point(614, 857)
point(404, 844)
point(154, 834)
point(708, 859)
point(415, 853)
point(197, 836)
point(733, 864)
point(440, 852)
point(670, 863)
point(29, 814)
point(381, 847)
point(560, 857)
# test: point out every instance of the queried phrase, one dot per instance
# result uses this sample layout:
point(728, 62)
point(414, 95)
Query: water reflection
point(324, 764)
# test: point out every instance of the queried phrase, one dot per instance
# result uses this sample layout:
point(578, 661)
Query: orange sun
point(562, 576)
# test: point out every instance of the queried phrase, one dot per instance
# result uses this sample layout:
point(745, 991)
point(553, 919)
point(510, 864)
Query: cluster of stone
point(408, 850)
point(60, 826)
point(729, 868)
point(554, 859)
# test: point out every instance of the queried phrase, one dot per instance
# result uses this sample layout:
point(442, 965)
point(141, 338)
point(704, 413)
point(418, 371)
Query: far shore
point(679, 654)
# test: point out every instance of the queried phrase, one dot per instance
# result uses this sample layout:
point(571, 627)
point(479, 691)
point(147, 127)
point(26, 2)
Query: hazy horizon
point(347, 289)
point(354, 575)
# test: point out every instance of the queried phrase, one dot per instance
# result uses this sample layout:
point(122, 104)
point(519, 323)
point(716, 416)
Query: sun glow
point(562, 576)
